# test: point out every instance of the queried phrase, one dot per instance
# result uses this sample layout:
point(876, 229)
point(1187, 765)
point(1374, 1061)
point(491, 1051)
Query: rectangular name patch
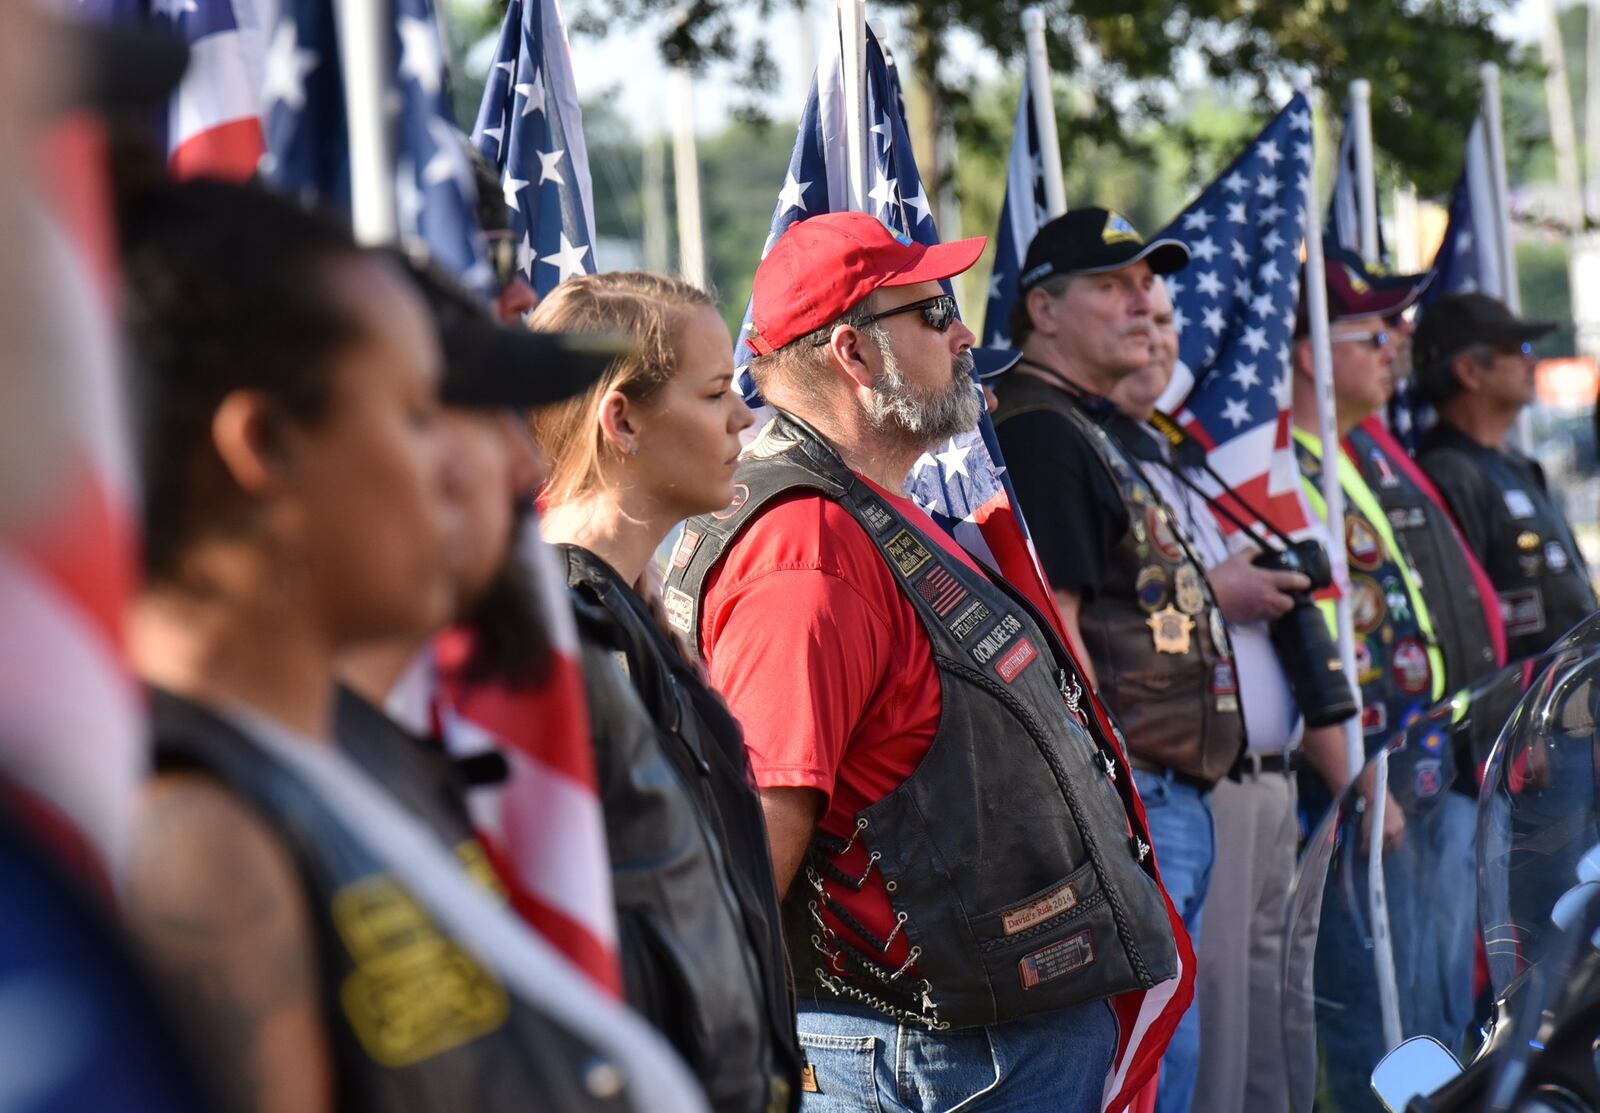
point(941, 591)
point(877, 516)
point(687, 544)
point(1523, 610)
point(680, 610)
point(907, 552)
point(969, 618)
point(1064, 956)
point(1061, 899)
point(986, 648)
point(1016, 660)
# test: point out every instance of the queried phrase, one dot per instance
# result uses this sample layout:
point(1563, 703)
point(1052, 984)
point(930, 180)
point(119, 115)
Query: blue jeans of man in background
point(865, 1062)
point(1179, 816)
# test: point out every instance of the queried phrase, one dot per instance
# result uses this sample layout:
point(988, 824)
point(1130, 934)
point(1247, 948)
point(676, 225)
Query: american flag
point(1024, 210)
point(1344, 207)
point(72, 723)
point(1468, 258)
point(1235, 309)
point(212, 123)
point(530, 127)
point(308, 150)
point(963, 485)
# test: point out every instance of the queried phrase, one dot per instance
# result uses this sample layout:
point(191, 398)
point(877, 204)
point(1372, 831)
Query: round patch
point(1527, 541)
point(1219, 634)
point(1411, 670)
point(1427, 781)
point(1411, 716)
point(1161, 535)
point(1187, 592)
point(1555, 556)
point(1150, 588)
point(1367, 606)
point(1433, 741)
point(1361, 543)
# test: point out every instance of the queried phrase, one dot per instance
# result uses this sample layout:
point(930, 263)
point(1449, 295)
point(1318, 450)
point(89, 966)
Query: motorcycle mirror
point(1416, 1068)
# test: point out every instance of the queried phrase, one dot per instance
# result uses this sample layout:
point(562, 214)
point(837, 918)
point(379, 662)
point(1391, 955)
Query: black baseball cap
point(1356, 290)
point(114, 67)
point(1094, 240)
point(1455, 323)
point(489, 365)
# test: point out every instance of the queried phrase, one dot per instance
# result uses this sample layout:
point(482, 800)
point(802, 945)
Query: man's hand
point(1394, 819)
point(1250, 594)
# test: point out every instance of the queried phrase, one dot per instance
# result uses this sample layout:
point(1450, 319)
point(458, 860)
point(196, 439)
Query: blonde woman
point(655, 441)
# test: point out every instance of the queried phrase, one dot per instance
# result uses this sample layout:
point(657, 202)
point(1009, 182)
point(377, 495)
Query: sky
point(632, 51)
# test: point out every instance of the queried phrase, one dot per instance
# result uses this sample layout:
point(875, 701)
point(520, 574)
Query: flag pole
point(686, 180)
point(1366, 178)
point(365, 27)
point(1494, 136)
point(1316, 294)
point(1044, 111)
point(852, 20)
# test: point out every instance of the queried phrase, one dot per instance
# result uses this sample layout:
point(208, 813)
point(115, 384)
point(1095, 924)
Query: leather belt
point(1256, 764)
point(1199, 784)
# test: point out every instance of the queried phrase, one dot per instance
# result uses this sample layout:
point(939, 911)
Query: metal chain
point(929, 1020)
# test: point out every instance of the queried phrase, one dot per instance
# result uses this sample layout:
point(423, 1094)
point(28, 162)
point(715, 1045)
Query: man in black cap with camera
point(1131, 586)
point(1474, 361)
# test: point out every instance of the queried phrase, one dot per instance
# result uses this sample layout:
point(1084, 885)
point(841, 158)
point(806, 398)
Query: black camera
point(1300, 638)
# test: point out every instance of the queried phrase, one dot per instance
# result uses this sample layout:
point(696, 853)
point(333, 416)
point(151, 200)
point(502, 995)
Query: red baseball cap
point(822, 266)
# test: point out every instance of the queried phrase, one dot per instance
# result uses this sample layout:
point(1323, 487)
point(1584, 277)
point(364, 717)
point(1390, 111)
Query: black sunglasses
point(938, 311)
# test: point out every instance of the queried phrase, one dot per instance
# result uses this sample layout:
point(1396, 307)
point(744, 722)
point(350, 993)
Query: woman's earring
point(633, 449)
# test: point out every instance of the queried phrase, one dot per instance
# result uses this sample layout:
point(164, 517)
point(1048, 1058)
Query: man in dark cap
point(1131, 585)
point(1475, 365)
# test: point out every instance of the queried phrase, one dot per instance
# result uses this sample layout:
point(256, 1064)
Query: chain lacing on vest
point(840, 955)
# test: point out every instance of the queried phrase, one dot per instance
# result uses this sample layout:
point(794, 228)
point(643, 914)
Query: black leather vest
point(416, 1024)
point(706, 749)
point(1440, 559)
point(1158, 641)
point(1532, 559)
point(1010, 854)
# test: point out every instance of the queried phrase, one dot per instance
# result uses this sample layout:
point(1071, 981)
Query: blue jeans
point(864, 1062)
point(1185, 842)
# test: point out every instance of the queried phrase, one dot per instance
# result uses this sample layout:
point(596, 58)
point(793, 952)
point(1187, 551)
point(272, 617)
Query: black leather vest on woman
point(1009, 854)
point(1157, 638)
point(415, 1023)
point(744, 980)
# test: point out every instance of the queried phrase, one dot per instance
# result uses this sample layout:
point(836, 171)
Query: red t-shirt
point(829, 670)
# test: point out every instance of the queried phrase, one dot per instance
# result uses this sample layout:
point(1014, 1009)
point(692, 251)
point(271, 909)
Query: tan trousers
point(1242, 1066)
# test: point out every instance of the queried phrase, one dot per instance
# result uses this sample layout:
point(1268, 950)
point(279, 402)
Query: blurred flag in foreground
point(531, 128)
point(1235, 306)
point(1344, 207)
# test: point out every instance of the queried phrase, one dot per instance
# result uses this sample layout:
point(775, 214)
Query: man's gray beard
point(922, 418)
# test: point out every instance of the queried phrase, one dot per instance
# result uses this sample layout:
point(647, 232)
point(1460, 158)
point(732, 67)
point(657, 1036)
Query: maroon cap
point(1355, 290)
point(823, 266)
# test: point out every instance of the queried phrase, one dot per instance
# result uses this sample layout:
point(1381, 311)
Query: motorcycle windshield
point(1537, 815)
point(1382, 939)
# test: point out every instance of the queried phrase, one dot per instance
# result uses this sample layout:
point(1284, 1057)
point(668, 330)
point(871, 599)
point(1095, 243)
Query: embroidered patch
point(1160, 533)
point(680, 610)
point(1186, 590)
point(1411, 670)
point(1386, 473)
point(1361, 543)
point(1523, 610)
point(741, 495)
point(1518, 503)
point(1009, 666)
point(941, 590)
point(687, 544)
point(986, 648)
point(969, 618)
point(1427, 782)
point(413, 993)
point(1223, 680)
point(1374, 718)
point(1408, 517)
point(1555, 556)
point(907, 552)
point(1366, 671)
point(1219, 633)
point(1433, 741)
point(1367, 606)
point(1150, 588)
point(1064, 956)
point(1062, 898)
point(877, 515)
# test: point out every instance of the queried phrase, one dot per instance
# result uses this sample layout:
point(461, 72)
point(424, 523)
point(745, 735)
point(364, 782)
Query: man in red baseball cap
point(949, 914)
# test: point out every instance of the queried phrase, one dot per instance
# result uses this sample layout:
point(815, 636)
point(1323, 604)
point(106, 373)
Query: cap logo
point(903, 237)
point(1118, 230)
point(1357, 283)
point(1043, 270)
